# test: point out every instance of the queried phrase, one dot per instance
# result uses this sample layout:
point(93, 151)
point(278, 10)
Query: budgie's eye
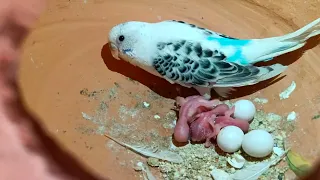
point(121, 38)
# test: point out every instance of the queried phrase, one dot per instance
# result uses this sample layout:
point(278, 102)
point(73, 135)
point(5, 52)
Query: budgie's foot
point(207, 96)
point(223, 91)
point(204, 91)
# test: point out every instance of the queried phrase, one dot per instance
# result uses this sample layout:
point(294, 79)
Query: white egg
point(244, 109)
point(230, 139)
point(258, 143)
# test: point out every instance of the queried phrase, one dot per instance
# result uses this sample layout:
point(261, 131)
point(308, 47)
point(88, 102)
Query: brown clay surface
point(66, 53)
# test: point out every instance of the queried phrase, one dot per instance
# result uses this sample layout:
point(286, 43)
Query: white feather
point(151, 152)
point(147, 175)
point(253, 172)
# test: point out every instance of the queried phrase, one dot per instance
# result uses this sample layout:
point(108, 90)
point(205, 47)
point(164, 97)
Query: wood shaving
point(286, 93)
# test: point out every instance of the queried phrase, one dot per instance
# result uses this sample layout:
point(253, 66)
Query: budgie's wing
point(187, 62)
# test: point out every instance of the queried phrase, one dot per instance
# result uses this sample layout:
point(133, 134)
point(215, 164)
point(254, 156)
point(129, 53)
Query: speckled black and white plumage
point(189, 63)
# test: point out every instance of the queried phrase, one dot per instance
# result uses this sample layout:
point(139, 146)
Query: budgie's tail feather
point(277, 69)
point(303, 34)
point(276, 46)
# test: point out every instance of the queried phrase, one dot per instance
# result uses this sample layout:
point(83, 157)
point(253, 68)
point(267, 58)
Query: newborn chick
point(189, 107)
point(227, 120)
point(203, 127)
point(205, 118)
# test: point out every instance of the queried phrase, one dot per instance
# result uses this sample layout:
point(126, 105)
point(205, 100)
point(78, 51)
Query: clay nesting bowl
point(67, 54)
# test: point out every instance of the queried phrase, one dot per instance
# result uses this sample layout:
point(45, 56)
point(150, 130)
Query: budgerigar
point(196, 57)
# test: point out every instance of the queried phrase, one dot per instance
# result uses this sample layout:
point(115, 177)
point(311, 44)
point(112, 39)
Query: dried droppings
point(146, 105)
point(153, 162)
point(261, 100)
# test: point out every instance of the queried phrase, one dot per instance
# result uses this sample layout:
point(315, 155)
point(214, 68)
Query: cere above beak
point(114, 51)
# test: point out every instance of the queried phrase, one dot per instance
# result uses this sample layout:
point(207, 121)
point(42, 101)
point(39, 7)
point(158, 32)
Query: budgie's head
point(127, 40)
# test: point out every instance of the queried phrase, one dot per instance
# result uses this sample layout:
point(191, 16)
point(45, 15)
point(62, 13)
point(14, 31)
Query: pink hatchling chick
point(227, 120)
point(205, 118)
point(189, 107)
point(203, 126)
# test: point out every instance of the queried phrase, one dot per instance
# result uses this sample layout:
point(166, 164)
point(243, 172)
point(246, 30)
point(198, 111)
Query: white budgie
point(197, 57)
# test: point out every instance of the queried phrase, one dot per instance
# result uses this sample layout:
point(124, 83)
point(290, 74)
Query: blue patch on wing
point(228, 42)
point(237, 44)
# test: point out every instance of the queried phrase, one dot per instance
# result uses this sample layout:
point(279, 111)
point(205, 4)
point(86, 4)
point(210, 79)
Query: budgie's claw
point(207, 96)
point(204, 91)
point(224, 91)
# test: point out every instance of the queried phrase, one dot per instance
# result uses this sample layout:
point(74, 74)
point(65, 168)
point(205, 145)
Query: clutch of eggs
point(256, 143)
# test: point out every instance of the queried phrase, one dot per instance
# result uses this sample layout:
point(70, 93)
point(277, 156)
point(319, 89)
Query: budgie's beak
point(114, 51)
